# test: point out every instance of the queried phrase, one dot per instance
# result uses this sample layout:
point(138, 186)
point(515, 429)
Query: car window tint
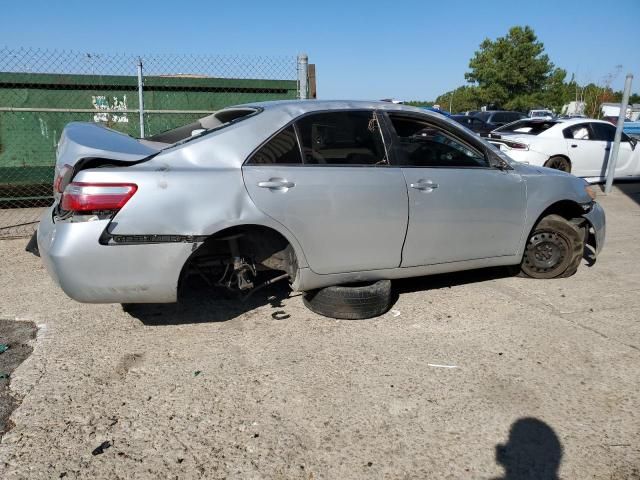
point(484, 116)
point(532, 127)
point(578, 132)
point(421, 144)
point(281, 149)
point(341, 138)
point(603, 131)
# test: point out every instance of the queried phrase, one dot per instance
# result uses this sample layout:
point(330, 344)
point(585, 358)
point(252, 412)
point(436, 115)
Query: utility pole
point(613, 159)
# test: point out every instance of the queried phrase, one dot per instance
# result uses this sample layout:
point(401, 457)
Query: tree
point(419, 103)
point(461, 99)
point(511, 66)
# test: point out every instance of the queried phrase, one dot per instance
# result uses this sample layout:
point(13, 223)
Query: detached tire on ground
point(554, 249)
point(350, 302)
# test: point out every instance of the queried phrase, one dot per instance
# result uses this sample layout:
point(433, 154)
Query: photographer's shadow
point(533, 452)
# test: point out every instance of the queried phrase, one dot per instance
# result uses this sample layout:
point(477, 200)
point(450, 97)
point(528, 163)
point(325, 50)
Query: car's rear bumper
point(90, 272)
point(596, 219)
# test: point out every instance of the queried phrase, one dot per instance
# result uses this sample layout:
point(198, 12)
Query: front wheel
point(554, 249)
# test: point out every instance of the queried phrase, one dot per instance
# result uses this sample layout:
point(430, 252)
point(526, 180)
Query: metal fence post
point(303, 76)
point(140, 98)
point(613, 159)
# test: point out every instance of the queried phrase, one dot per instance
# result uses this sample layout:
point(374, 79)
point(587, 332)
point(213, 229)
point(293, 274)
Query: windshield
point(210, 123)
point(530, 127)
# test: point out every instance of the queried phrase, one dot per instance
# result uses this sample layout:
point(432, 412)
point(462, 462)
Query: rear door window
point(603, 131)
point(531, 127)
point(421, 144)
point(282, 149)
point(341, 138)
point(582, 131)
point(499, 118)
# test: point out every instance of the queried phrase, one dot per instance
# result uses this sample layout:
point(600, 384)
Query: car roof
point(573, 121)
point(304, 106)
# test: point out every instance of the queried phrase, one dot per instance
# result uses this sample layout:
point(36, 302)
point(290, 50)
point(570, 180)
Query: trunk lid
point(82, 140)
point(90, 145)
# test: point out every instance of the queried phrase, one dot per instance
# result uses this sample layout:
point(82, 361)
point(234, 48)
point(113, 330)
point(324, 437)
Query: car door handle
point(423, 185)
point(276, 184)
point(606, 149)
point(573, 145)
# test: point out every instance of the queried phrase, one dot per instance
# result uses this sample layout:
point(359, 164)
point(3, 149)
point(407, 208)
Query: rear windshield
point(530, 127)
point(207, 124)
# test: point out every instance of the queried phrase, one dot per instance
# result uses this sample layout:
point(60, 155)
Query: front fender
point(596, 219)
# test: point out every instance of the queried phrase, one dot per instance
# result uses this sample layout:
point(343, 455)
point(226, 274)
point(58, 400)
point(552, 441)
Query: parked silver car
point(324, 193)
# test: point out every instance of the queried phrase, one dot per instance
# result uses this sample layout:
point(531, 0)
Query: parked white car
point(580, 146)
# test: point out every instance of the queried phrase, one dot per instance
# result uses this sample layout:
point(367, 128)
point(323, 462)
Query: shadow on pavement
point(445, 280)
point(14, 349)
point(631, 188)
point(533, 452)
point(202, 304)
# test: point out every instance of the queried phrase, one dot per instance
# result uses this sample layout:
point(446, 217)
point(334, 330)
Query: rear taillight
point(510, 144)
point(91, 197)
point(518, 146)
point(62, 178)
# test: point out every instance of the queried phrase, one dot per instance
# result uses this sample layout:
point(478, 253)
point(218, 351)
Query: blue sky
point(362, 49)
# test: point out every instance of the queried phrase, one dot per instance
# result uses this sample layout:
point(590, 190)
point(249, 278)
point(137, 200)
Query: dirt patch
point(16, 335)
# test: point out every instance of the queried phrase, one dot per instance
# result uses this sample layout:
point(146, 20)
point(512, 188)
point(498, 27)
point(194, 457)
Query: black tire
point(559, 163)
point(350, 302)
point(554, 249)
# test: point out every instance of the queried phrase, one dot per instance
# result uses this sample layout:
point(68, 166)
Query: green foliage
point(511, 66)
point(419, 103)
point(513, 72)
point(461, 99)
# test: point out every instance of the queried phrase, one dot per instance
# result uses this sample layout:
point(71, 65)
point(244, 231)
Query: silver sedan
point(322, 193)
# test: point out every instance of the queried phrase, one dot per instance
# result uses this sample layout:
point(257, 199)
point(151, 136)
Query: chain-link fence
point(140, 95)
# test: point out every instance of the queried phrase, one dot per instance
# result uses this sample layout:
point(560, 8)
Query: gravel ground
point(475, 375)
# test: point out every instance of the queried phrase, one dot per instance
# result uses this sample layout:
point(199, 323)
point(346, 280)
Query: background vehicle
point(580, 146)
point(474, 124)
point(497, 118)
point(437, 110)
point(321, 193)
point(632, 128)
point(543, 114)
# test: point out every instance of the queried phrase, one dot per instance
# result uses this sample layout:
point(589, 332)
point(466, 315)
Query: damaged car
point(336, 197)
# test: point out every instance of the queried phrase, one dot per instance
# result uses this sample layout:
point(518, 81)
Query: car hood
point(525, 169)
point(80, 140)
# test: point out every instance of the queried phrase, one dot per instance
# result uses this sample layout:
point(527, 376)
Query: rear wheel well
point(547, 162)
point(261, 247)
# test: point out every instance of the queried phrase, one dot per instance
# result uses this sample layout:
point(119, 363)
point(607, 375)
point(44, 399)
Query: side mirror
point(498, 162)
point(503, 165)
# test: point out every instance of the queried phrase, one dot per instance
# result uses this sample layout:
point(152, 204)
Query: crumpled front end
point(596, 218)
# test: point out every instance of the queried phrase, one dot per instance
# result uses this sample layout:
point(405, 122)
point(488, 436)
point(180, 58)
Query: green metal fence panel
point(41, 91)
